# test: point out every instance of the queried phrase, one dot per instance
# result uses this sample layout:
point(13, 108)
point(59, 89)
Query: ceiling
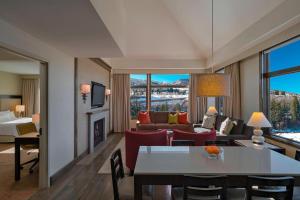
point(148, 33)
point(12, 63)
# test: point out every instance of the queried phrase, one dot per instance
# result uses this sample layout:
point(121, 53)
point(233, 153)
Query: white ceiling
point(12, 63)
point(147, 33)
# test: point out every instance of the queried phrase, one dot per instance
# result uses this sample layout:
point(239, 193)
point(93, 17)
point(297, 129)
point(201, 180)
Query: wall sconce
point(107, 93)
point(85, 89)
point(20, 109)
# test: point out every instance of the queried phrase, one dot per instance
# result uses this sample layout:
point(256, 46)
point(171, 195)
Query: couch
point(240, 131)
point(135, 139)
point(159, 120)
point(199, 138)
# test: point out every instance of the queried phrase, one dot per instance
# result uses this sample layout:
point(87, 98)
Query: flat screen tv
point(98, 95)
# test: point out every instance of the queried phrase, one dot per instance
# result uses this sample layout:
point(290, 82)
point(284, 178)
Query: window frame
point(149, 87)
point(265, 76)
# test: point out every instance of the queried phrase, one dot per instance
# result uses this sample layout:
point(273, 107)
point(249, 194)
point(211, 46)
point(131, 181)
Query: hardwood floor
point(84, 182)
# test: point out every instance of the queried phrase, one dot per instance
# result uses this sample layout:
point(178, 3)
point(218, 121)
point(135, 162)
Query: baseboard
point(66, 168)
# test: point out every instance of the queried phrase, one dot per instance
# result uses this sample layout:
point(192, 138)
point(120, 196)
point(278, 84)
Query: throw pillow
point(226, 126)
point(173, 118)
point(144, 118)
point(182, 118)
point(209, 121)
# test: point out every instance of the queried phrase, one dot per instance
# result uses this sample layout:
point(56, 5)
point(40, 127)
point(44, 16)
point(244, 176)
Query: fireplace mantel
point(92, 117)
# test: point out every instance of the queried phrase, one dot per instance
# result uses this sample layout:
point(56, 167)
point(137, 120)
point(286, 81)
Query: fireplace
point(99, 131)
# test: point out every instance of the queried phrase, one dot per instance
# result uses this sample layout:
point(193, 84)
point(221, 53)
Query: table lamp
point(211, 111)
point(20, 109)
point(258, 121)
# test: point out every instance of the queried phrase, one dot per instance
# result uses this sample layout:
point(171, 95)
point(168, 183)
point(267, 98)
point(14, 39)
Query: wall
point(60, 92)
point(249, 71)
point(10, 84)
point(89, 71)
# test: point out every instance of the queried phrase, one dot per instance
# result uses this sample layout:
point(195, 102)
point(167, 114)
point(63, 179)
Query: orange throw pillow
point(183, 118)
point(144, 118)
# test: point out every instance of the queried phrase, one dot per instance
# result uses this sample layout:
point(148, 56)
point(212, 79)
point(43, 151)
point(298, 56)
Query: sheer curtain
point(197, 105)
point(121, 102)
point(31, 96)
point(232, 104)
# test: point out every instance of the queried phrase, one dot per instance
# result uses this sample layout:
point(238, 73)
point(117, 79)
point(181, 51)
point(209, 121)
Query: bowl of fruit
point(213, 151)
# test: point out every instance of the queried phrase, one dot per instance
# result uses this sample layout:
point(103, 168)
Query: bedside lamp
point(20, 109)
point(212, 111)
point(258, 121)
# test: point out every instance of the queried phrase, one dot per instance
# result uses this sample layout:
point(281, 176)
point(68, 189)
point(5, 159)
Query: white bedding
point(9, 127)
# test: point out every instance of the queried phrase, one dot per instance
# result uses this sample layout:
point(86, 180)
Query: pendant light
point(213, 84)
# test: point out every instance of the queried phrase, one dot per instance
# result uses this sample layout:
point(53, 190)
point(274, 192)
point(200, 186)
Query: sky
point(170, 78)
point(282, 58)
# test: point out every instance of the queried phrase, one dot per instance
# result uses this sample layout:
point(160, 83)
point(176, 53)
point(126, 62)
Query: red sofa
point(135, 139)
point(199, 138)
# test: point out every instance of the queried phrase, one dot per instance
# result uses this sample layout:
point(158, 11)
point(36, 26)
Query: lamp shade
point(85, 88)
point(211, 110)
point(36, 118)
point(258, 119)
point(213, 85)
point(20, 108)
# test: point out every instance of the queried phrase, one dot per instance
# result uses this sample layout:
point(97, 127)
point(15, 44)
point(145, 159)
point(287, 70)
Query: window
point(281, 87)
point(166, 92)
point(138, 91)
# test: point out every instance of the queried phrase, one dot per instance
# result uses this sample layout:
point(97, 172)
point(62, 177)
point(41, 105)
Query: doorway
point(23, 99)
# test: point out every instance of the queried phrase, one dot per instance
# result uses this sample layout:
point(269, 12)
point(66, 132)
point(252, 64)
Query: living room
point(162, 99)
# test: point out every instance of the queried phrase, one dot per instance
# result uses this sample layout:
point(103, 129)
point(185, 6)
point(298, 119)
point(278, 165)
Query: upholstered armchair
point(135, 139)
point(199, 138)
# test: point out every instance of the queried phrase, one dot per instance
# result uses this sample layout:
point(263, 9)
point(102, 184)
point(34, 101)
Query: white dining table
point(166, 165)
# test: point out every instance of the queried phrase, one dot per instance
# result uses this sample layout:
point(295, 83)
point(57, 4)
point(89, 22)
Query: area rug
point(105, 169)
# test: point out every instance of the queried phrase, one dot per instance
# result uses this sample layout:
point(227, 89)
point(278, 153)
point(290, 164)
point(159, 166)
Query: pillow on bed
point(12, 116)
point(4, 118)
point(4, 112)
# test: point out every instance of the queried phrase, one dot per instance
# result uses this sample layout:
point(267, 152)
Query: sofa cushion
point(209, 121)
point(226, 126)
point(173, 118)
point(159, 117)
point(144, 117)
point(219, 120)
point(238, 127)
point(183, 118)
point(150, 127)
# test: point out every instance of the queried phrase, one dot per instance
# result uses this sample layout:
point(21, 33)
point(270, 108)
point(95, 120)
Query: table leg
point(137, 189)
point(17, 161)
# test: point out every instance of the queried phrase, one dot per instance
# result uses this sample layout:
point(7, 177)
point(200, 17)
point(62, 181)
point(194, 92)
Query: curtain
point(197, 105)
point(121, 102)
point(31, 96)
point(232, 104)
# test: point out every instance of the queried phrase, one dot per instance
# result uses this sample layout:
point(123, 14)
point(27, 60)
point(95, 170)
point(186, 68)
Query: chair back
point(117, 171)
point(297, 155)
point(183, 143)
point(26, 128)
point(283, 187)
point(210, 187)
point(198, 138)
point(217, 142)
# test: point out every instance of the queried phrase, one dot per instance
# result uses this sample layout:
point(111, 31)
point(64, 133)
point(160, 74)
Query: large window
point(281, 89)
point(159, 92)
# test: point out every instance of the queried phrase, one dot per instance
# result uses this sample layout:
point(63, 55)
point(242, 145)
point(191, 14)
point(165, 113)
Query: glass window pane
point(138, 93)
point(170, 80)
point(285, 57)
point(284, 105)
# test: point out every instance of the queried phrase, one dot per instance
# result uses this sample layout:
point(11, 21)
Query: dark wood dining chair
point(270, 187)
point(23, 129)
point(118, 177)
point(183, 143)
point(281, 151)
point(297, 155)
point(204, 186)
point(217, 142)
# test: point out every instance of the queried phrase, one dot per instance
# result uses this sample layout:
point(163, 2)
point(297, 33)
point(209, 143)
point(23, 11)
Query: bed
point(8, 120)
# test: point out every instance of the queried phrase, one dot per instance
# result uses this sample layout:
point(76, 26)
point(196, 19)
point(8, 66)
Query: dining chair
point(297, 155)
point(183, 143)
point(23, 129)
point(204, 186)
point(281, 151)
point(217, 142)
point(270, 187)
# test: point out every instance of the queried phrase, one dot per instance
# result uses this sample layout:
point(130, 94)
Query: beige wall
point(249, 70)
point(89, 71)
point(10, 84)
